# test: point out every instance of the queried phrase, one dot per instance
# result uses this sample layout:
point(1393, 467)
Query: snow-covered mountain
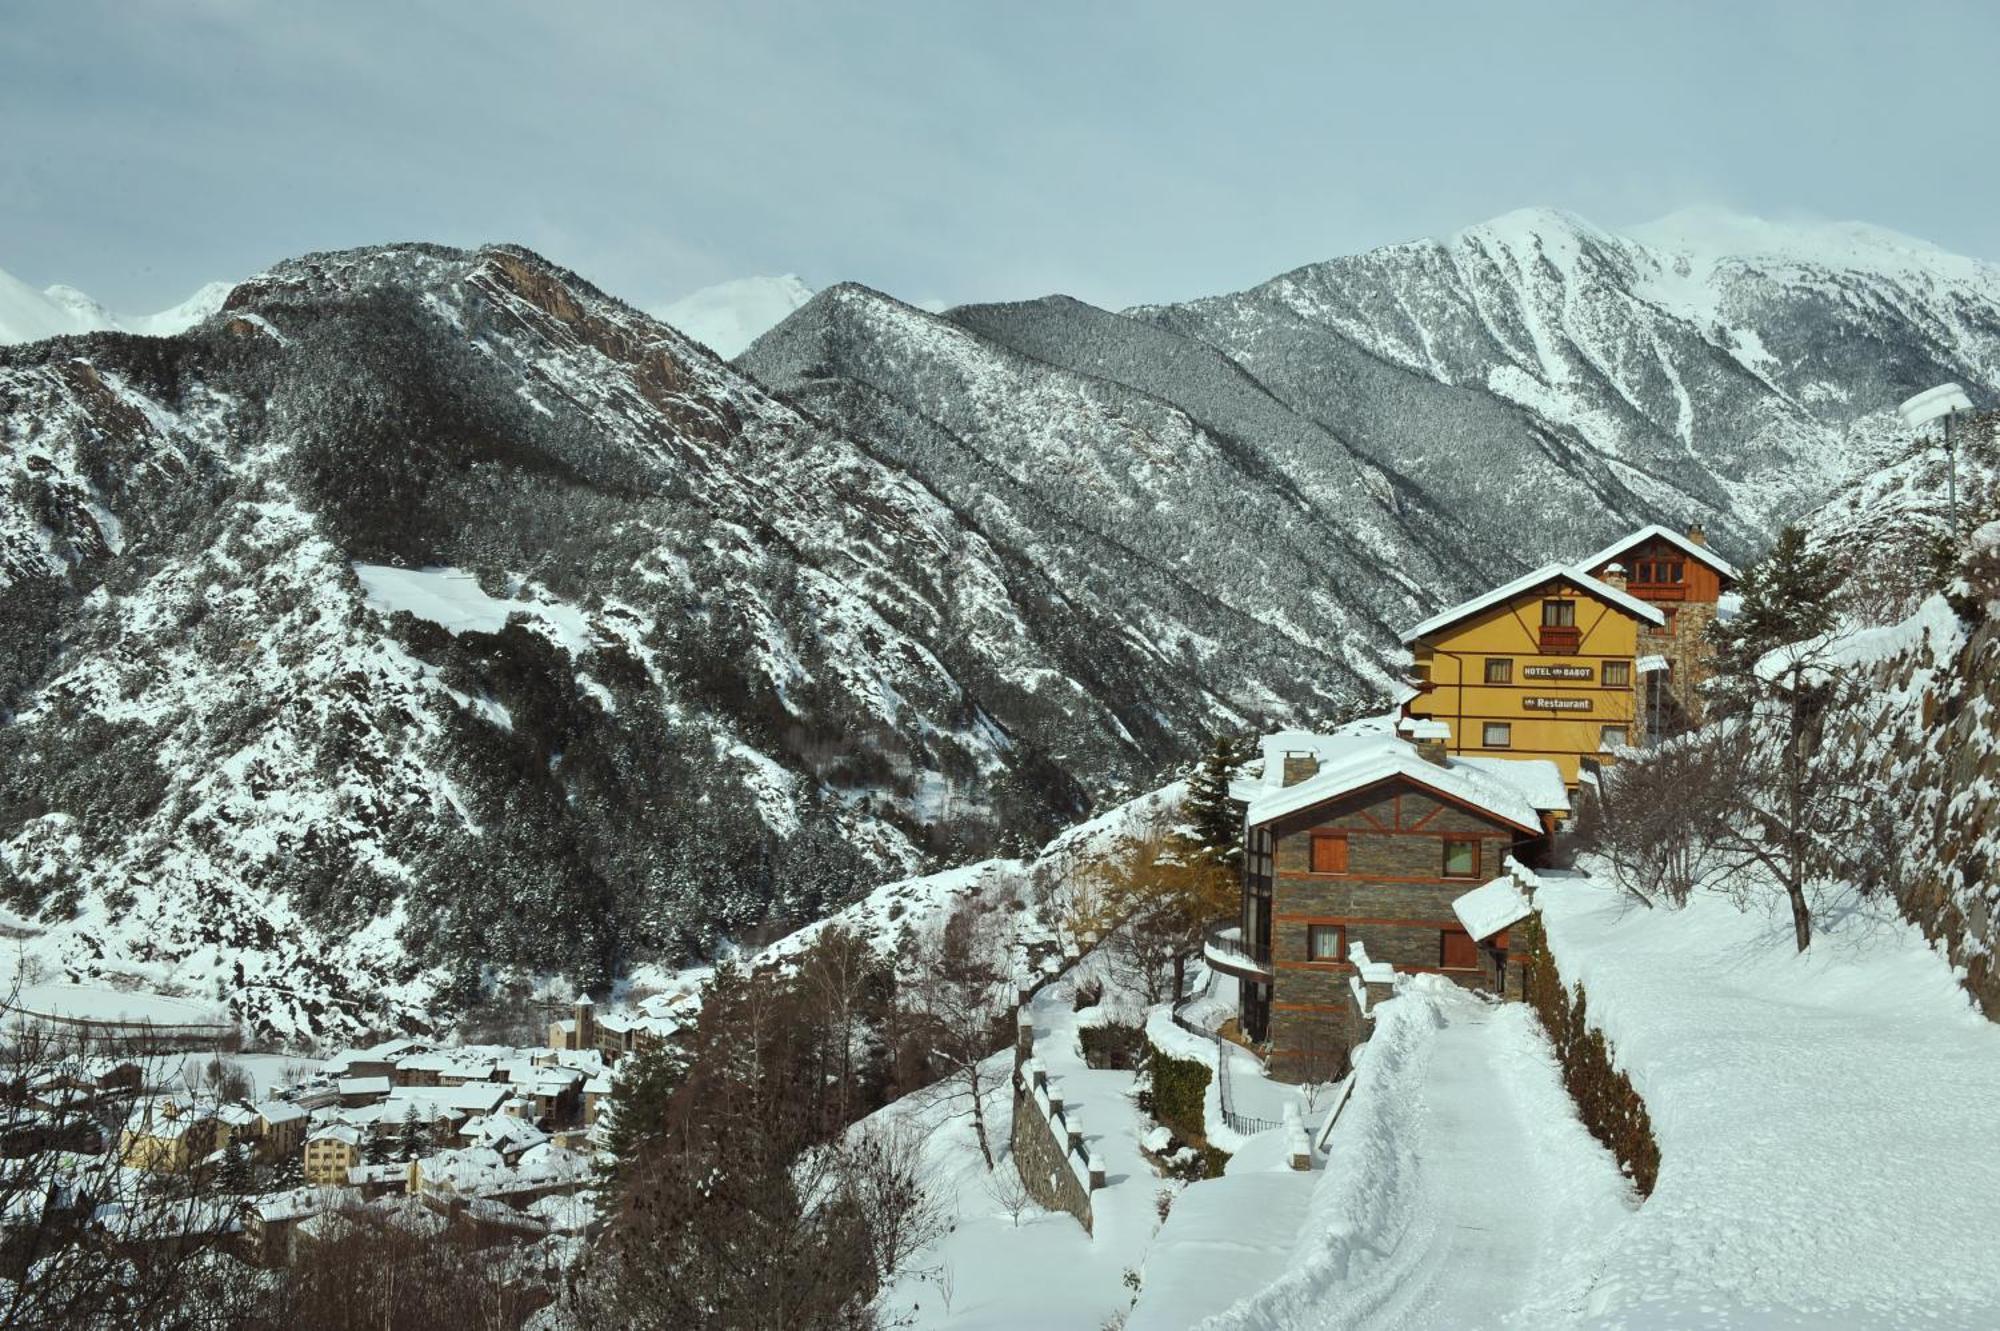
point(1707, 367)
point(428, 610)
point(28, 315)
point(729, 316)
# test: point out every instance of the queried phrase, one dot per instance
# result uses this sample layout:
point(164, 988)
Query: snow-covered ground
point(1828, 1130)
point(1458, 1189)
point(994, 1274)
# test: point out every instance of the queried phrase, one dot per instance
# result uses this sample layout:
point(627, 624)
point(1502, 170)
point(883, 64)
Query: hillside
point(427, 614)
point(707, 664)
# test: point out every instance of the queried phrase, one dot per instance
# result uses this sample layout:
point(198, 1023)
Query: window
point(1329, 852)
point(1617, 674)
point(1497, 735)
point(1559, 614)
point(1461, 857)
point(1499, 670)
point(1611, 737)
point(1457, 951)
point(1661, 572)
point(1326, 942)
point(1259, 860)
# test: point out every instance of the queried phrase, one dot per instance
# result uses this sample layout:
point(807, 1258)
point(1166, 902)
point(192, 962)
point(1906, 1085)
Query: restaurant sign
point(1556, 704)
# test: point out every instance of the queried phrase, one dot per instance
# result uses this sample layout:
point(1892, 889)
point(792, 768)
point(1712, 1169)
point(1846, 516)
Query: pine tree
point(1787, 597)
point(378, 1149)
point(233, 1175)
point(636, 1107)
point(416, 1139)
point(1211, 820)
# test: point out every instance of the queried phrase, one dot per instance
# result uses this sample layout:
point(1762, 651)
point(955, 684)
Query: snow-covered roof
point(1693, 549)
point(363, 1085)
point(279, 1111)
point(1485, 911)
point(1352, 760)
point(1537, 778)
point(1527, 582)
point(338, 1132)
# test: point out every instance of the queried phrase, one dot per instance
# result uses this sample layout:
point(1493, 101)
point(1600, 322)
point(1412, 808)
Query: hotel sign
point(1556, 704)
point(1558, 672)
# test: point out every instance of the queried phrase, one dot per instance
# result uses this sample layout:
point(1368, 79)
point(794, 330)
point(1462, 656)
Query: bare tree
point(1010, 1193)
point(954, 1005)
point(1772, 797)
point(1658, 817)
point(84, 1240)
point(1805, 811)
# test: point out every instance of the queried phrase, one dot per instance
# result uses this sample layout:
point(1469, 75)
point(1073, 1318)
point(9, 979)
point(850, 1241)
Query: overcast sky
point(1120, 152)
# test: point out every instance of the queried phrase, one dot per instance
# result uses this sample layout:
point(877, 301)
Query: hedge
point(1604, 1096)
point(1179, 1087)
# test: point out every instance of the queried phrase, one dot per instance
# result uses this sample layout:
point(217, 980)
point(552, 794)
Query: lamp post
point(1946, 400)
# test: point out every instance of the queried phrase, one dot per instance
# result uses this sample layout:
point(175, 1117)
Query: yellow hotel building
point(1544, 667)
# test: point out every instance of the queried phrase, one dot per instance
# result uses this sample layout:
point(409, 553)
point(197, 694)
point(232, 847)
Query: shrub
point(1604, 1096)
point(1178, 1086)
point(1112, 1046)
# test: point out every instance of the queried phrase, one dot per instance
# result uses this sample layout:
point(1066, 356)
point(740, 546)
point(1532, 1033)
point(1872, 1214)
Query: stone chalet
point(1357, 844)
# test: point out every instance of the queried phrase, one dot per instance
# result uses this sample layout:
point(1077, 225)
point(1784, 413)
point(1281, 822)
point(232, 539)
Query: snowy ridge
point(27, 315)
point(729, 316)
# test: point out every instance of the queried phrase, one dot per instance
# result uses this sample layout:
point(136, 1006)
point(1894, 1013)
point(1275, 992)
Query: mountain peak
point(730, 315)
point(28, 315)
point(1709, 235)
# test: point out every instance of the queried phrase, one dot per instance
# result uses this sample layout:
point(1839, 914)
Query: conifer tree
point(1787, 597)
point(234, 1175)
point(378, 1149)
point(416, 1139)
point(1211, 820)
point(636, 1108)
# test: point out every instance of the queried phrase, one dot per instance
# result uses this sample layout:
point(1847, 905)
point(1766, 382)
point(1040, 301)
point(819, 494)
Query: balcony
point(1224, 950)
point(1561, 639)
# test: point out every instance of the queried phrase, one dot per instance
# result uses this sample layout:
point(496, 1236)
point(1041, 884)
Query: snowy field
point(1829, 1124)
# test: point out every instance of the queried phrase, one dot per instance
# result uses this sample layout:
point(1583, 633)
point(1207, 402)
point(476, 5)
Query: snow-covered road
point(1491, 1211)
point(1460, 1189)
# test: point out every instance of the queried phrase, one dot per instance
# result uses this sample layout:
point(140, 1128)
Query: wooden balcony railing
point(1561, 639)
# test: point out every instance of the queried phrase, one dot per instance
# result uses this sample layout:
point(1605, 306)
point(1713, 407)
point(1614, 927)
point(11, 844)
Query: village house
point(164, 1136)
point(1356, 845)
point(1685, 581)
point(330, 1151)
point(279, 1129)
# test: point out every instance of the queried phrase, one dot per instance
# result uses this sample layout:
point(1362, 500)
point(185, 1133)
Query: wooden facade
point(1684, 581)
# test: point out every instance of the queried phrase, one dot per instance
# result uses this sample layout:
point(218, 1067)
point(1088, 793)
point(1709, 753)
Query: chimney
point(1429, 737)
point(1696, 535)
point(1613, 576)
point(1300, 766)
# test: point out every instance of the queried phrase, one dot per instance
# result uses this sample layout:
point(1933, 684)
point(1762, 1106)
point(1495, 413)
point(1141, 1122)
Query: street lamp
point(1945, 400)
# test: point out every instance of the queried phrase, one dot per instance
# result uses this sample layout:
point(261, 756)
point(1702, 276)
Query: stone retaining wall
point(1049, 1154)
